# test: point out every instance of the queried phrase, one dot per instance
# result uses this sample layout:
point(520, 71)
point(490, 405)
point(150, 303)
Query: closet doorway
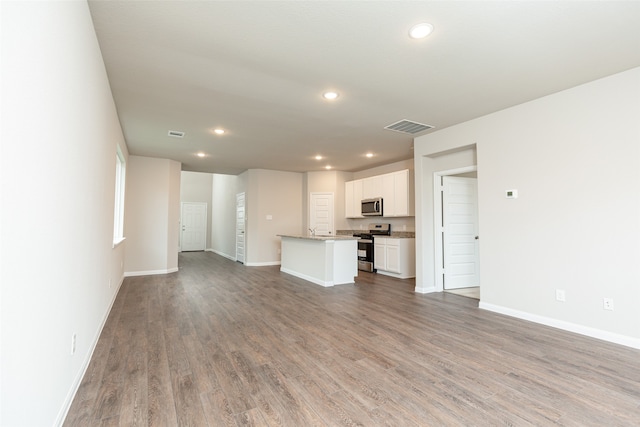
point(457, 237)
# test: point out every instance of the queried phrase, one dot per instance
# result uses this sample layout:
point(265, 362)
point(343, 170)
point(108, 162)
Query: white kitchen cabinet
point(395, 256)
point(402, 196)
point(396, 190)
point(372, 187)
point(353, 198)
point(396, 195)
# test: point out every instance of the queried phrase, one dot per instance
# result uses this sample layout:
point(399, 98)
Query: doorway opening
point(456, 225)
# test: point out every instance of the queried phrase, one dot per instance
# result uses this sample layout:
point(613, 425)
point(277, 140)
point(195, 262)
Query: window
point(118, 214)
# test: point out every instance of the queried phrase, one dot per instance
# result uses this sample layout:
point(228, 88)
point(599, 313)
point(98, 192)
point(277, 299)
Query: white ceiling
point(258, 69)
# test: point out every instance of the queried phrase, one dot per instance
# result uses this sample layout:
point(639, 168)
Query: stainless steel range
point(365, 244)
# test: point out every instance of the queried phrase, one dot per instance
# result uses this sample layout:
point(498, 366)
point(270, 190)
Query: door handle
point(477, 237)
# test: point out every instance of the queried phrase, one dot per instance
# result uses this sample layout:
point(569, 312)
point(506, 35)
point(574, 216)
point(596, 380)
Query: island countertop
point(300, 236)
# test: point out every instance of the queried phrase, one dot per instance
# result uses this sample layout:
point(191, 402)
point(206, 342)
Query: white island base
point(323, 260)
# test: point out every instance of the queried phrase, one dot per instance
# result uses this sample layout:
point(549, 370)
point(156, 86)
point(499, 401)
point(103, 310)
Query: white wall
point(279, 195)
point(59, 136)
point(223, 217)
point(152, 212)
point(197, 187)
point(574, 157)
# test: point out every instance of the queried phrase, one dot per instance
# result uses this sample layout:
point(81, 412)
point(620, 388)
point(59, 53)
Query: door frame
point(437, 220)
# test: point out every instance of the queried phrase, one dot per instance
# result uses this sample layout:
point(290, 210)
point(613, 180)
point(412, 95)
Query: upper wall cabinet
point(395, 194)
point(372, 187)
point(396, 190)
point(353, 197)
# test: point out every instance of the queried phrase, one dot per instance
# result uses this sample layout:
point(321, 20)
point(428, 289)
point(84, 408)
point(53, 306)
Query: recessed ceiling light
point(369, 155)
point(420, 31)
point(201, 154)
point(327, 167)
point(218, 131)
point(330, 95)
point(318, 157)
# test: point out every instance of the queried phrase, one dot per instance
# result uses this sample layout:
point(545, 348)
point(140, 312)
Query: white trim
point(119, 199)
point(566, 326)
point(261, 264)
point(62, 415)
point(396, 275)
point(149, 272)
point(117, 242)
point(437, 219)
point(421, 290)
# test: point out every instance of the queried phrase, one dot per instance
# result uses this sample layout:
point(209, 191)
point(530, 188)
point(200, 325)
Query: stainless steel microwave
point(372, 207)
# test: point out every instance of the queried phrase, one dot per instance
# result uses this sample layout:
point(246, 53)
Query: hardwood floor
point(222, 344)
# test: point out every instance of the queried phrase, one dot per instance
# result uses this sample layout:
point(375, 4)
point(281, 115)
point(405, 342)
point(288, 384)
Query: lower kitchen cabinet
point(395, 256)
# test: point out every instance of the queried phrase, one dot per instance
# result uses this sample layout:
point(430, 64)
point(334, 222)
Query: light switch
point(269, 217)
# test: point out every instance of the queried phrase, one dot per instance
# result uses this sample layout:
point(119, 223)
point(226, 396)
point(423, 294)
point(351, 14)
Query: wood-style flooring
point(221, 344)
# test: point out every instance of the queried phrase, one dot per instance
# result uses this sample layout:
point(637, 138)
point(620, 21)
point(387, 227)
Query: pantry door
point(321, 213)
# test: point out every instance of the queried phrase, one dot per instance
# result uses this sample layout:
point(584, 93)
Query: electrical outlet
point(73, 344)
point(607, 303)
point(560, 295)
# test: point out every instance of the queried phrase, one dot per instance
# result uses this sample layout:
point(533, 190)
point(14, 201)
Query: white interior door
point(193, 217)
point(240, 227)
point(460, 232)
point(321, 213)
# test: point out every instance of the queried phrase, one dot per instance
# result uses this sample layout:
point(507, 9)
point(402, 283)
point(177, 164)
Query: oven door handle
point(365, 241)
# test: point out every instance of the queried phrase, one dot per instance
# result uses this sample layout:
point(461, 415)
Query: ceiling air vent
point(176, 134)
point(407, 126)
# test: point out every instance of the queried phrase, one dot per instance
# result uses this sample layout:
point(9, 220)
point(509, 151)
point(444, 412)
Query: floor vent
point(176, 134)
point(407, 126)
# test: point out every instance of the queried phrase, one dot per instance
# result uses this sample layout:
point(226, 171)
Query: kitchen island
point(323, 260)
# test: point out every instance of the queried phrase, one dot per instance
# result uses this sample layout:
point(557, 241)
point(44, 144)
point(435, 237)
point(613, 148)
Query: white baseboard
point(567, 326)
point(396, 275)
point(149, 272)
point(62, 415)
point(425, 290)
point(261, 264)
point(222, 254)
